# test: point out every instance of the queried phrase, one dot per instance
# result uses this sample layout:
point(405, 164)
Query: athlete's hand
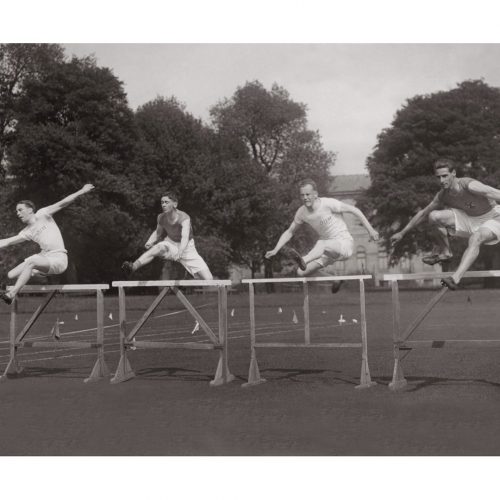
point(270, 254)
point(374, 235)
point(148, 245)
point(396, 238)
point(177, 256)
point(87, 188)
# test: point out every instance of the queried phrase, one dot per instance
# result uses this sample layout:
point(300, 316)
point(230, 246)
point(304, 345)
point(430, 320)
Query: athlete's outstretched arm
point(13, 240)
point(416, 219)
point(488, 191)
point(284, 239)
point(359, 214)
point(52, 209)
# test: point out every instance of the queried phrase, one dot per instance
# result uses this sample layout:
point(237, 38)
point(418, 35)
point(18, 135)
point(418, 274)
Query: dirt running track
point(308, 406)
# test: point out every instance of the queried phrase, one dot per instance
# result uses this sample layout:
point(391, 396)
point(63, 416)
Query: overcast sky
point(351, 90)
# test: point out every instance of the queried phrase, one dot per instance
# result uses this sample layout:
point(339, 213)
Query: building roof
point(348, 184)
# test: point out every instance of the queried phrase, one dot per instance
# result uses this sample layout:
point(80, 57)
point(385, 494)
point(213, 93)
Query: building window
point(339, 267)
point(361, 259)
point(405, 265)
point(383, 262)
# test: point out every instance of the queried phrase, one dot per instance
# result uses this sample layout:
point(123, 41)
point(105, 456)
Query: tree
point(273, 129)
point(74, 126)
point(462, 124)
point(19, 62)
point(221, 188)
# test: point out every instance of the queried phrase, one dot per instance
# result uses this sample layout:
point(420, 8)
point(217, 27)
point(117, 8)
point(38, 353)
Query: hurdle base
point(99, 371)
point(254, 377)
point(397, 385)
point(123, 372)
point(398, 379)
point(12, 370)
point(365, 380)
point(254, 382)
point(366, 385)
point(219, 377)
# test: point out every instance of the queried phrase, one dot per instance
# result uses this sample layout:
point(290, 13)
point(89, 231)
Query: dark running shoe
point(128, 268)
point(436, 259)
point(295, 256)
point(6, 298)
point(449, 283)
point(336, 286)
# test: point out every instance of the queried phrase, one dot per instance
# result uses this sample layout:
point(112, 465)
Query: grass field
point(307, 407)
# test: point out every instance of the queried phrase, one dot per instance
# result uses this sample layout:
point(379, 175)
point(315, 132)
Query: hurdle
point(124, 370)
point(17, 342)
point(400, 338)
point(254, 377)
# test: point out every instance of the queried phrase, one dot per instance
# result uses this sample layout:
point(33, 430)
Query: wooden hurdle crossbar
point(400, 339)
point(16, 340)
point(218, 342)
point(254, 373)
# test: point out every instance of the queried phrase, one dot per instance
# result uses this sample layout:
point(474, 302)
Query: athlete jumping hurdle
point(172, 240)
point(42, 229)
point(325, 216)
point(464, 208)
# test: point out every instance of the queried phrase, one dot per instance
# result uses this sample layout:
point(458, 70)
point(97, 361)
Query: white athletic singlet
point(327, 219)
point(45, 232)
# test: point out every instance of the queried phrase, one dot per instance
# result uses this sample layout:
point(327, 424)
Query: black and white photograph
point(218, 251)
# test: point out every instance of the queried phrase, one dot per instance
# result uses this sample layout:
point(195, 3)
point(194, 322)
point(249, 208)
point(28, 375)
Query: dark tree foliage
point(219, 186)
point(273, 129)
point(462, 124)
point(73, 127)
point(19, 62)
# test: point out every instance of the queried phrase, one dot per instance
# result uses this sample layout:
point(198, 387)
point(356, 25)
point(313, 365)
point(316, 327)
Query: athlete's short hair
point(444, 163)
point(308, 182)
point(173, 196)
point(28, 203)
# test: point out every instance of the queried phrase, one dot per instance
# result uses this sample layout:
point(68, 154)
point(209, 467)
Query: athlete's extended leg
point(316, 268)
point(481, 236)
point(441, 221)
point(312, 268)
point(162, 250)
point(204, 274)
point(23, 272)
point(315, 253)
point(16, 271)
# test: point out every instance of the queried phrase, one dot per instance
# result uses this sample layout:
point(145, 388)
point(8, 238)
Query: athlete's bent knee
point(436, 218)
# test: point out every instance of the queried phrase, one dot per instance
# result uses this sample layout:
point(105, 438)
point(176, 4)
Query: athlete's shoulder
point(299, 214)
point(43, 213)
point(464, 182)
point(182, 216)
point(332, 203)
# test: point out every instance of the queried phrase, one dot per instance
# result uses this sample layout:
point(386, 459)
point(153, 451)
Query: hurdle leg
point(100, 369)
point(13, 367)
point(254, 377)
point(222, 374)
point(123, 371)
point(398, 379)
point(307, 327)
point(365, 379)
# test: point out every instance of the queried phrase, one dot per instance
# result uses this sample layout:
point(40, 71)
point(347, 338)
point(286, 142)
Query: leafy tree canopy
point(462, 124)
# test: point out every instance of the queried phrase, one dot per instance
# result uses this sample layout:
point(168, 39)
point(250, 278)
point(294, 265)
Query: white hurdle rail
point(16, 342)
point(400, 339)
point(254, 377)
point(124, 370)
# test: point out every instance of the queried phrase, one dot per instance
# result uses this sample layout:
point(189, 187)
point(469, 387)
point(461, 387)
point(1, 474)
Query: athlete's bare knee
point(478, 238)
point(436, 218)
